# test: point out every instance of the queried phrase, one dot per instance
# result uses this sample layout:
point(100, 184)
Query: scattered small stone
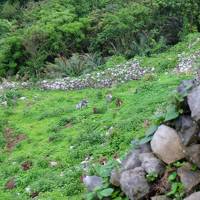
point(92, 182)
point(53, 163)
point(4, 103)
point(186, 63)
point(109, 98)
point(166, 144)
point(28, 190)
point(22, 98)
point(62, 174)
point(82, 104)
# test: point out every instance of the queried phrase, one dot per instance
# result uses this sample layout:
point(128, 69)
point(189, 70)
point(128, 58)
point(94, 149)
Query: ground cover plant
point(45, 140)
point(56, 133)
point(48, 137)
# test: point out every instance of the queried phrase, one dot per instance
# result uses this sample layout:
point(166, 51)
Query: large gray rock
point(194, 196)
point(190, 179)
point(151, 164)
point(91, 182)
point(132, 160)
point(194, 103)
point(166, 144)
point(145, 148)
point(161, 197)
point(193, 154)
point(115, 178)
point(134, 184)
point(187, 129)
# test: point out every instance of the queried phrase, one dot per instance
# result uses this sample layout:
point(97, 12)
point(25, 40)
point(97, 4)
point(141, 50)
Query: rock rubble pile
point(186, 64)
point(131, 70)
point(172, 156)
point(107, 78)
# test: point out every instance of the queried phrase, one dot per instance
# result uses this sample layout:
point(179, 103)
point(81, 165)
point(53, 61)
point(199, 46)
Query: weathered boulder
point(188, 136)
point(132, 160)
point(193, 154)
point(190, 179)
point(194, 196)
point(166, 144)
point(187, 129)
point(91, 182)
point(115, 178)
point(151, 164)
point(145, 148)
point(134, 184)
point(194, 103)
point(160, 197)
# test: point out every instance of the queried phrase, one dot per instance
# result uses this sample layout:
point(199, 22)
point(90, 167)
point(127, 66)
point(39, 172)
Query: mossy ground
point(52, 125)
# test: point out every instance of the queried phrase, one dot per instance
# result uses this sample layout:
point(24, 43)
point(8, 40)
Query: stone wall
point(168, 166)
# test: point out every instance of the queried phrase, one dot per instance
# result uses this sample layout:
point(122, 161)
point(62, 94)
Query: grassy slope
point(44, 115)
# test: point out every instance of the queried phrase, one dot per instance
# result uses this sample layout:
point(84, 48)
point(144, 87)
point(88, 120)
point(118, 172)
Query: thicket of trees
point(33, 34)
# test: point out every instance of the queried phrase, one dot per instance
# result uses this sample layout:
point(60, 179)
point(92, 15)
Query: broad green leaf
point(151, 130)
point(90, 196)
point(106, 192)
point(171, 113)
point(172, 177)
point(146, 139)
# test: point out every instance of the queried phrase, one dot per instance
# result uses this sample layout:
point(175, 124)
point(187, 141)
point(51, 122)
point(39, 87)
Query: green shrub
point(115, 60)
point(74, 66)
point(5, 27)
point(10, 10)
point(34, 33)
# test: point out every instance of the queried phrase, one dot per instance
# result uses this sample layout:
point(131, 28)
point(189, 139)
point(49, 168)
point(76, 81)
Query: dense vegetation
point(37, 37)
point(44, 139)
point(53, 126)
point(57, 132)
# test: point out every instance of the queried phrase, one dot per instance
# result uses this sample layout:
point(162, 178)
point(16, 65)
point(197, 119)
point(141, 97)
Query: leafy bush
point(115, 60)
point(5, 27)
point(10, 97)
point(32, 35)
point(10, 10)
point(74, 66)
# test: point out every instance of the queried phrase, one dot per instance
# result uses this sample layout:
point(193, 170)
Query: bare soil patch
point(11, 139)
